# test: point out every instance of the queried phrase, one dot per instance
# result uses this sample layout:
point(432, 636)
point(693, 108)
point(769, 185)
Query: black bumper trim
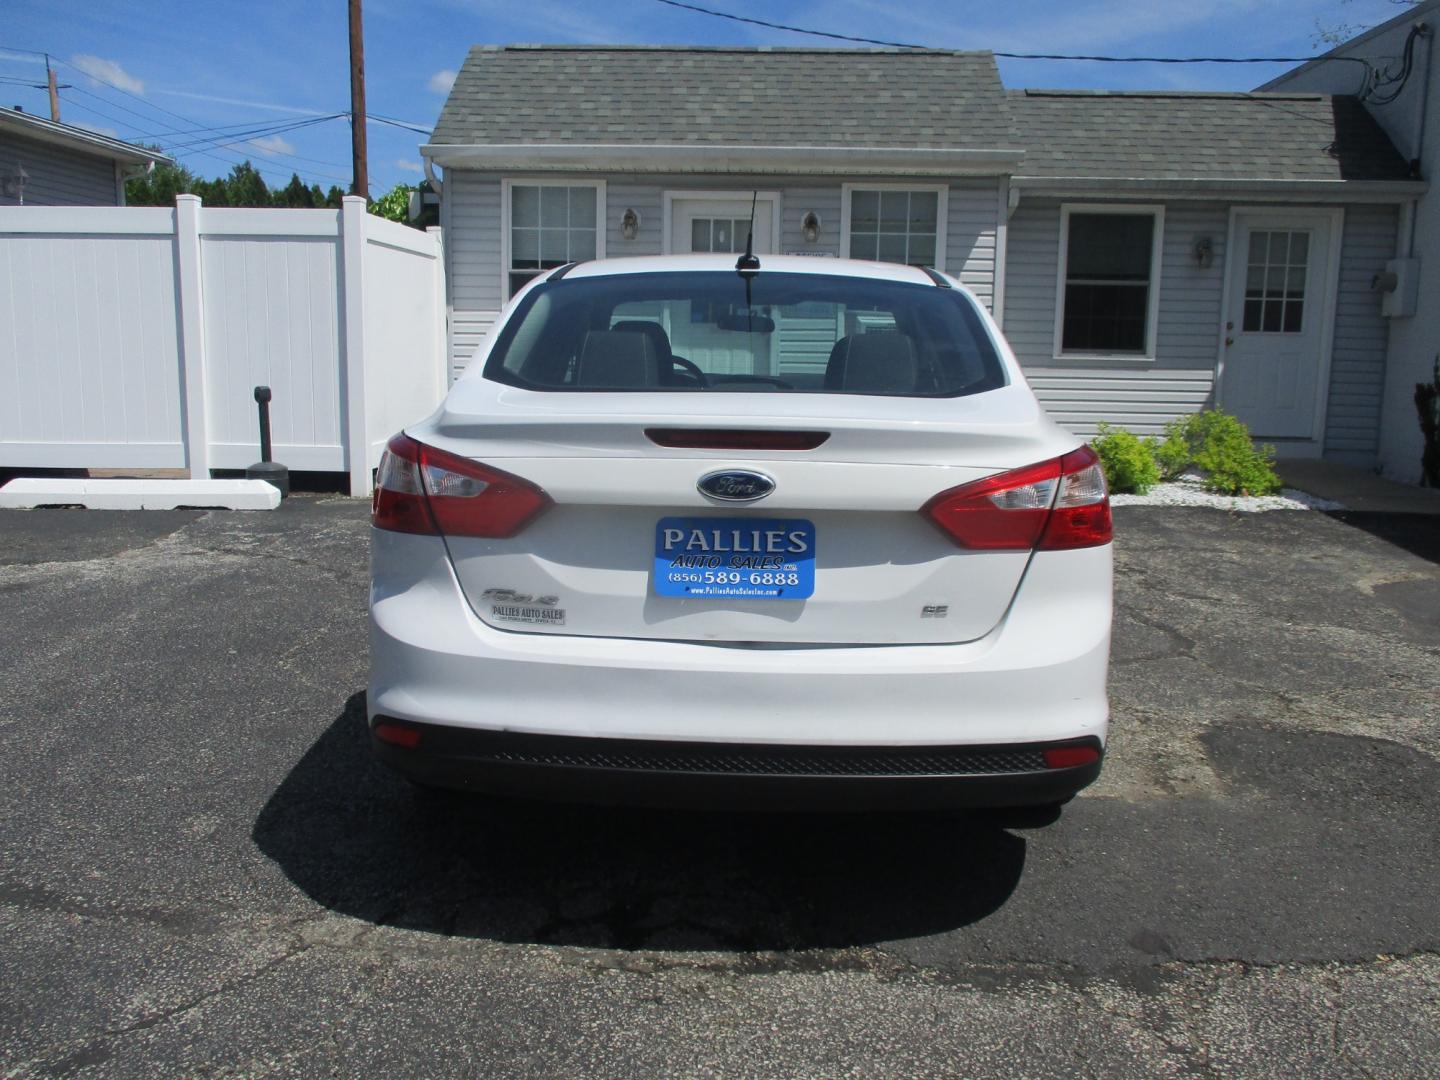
point(761, 776)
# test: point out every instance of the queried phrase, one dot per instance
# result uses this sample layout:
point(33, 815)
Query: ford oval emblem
point(736, 485)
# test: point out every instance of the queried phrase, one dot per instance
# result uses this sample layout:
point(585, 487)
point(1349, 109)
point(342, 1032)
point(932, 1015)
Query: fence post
point(188, 277)
point(352, 276)
point(442, 306)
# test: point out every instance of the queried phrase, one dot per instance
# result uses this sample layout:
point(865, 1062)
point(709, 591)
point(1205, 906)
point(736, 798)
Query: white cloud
point(409, 166)
point(108, 72)
point(273, 144)
point(441, 81)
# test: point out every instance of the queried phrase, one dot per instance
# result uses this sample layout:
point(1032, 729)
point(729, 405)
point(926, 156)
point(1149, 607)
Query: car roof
point(790, 264)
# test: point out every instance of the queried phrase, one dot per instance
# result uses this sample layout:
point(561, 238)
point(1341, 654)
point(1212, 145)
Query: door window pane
point(1275, 280)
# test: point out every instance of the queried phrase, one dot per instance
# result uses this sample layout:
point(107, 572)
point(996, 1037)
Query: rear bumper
point(1038, 677)
point(760, 776)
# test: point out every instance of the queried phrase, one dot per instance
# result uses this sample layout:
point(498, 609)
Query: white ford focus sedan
point(791, 534)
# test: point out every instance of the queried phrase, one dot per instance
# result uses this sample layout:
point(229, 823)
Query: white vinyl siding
point(55, 176)
point(970, 236)
point(473, 232)
point(472, 246)
point(1357, 365)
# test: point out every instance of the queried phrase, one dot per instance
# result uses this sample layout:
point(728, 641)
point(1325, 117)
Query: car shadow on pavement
point(361, 841)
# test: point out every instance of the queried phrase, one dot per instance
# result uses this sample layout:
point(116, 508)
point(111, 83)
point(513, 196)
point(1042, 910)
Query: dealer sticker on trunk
point(740, 558)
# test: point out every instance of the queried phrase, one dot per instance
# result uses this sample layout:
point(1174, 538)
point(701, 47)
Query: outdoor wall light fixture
point(810, 226)
point(629, 224)
point(1203, 251)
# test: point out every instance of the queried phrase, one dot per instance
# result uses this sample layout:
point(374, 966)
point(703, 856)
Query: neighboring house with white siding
point(1097, 227)
point(47, 163)
point(1396, 86)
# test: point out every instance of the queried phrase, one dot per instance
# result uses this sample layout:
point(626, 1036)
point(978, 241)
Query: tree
point(161, 185)
point(246, 187)
point(295, 195)
point(394, 204)
point(1330, 35)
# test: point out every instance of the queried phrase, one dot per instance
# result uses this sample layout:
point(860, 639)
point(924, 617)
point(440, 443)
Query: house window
point(550, 225)
point(901, 225)
point(1110, 268)
point(1275, 281)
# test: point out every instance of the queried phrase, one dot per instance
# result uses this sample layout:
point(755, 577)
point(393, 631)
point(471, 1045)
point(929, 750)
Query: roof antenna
point(748, 265)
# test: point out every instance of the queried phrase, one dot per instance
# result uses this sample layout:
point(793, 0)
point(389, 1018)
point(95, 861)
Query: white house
point(1148, 254)
point(47, 163)
point(1396, 86)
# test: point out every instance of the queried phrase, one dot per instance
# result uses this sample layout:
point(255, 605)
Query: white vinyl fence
point(133, 337)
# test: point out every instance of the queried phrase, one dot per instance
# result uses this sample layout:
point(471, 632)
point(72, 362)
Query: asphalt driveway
point(202, 873)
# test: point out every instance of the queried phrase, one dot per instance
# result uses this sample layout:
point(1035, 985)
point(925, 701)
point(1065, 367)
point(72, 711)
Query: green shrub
point(1219, 446)
point(1128, 462)
point(1172, 454)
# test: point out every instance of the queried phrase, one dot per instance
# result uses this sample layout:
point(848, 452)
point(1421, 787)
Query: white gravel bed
point(1189, 491)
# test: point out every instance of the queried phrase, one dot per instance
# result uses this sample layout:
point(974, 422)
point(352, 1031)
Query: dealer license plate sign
point(735, 558)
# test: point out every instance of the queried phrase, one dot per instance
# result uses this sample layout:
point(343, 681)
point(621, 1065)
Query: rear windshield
point(779, 333)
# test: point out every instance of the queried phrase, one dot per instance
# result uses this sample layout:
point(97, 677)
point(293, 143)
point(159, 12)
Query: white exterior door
point(721, 223)
point(1281, 305)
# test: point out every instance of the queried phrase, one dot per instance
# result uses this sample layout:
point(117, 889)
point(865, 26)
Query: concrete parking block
point(28, 493)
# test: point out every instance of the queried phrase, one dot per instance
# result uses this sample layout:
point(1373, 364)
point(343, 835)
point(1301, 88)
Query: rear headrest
point(878, 362)
point(652, 330)
point(618, 360)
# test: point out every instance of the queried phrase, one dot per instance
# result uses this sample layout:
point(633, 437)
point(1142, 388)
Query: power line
point(398, 123)
point(1006, 55)
point(220, 143)
point(197, 128)
point(204, 149)
point(158, 108)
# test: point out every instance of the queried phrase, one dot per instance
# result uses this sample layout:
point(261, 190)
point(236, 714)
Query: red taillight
point(1067, 757)
point(1053, 505)
point(727, 439)
point(419, 489)
point(398, 735)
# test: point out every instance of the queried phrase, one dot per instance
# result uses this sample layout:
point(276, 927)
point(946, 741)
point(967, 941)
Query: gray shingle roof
point(726, 97)
point(1202, 136)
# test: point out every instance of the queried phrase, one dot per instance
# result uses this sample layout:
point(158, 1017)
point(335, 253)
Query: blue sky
point(162, 70)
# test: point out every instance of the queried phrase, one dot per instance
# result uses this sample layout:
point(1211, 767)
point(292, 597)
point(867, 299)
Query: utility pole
point(54, 92)
point(361, 185)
